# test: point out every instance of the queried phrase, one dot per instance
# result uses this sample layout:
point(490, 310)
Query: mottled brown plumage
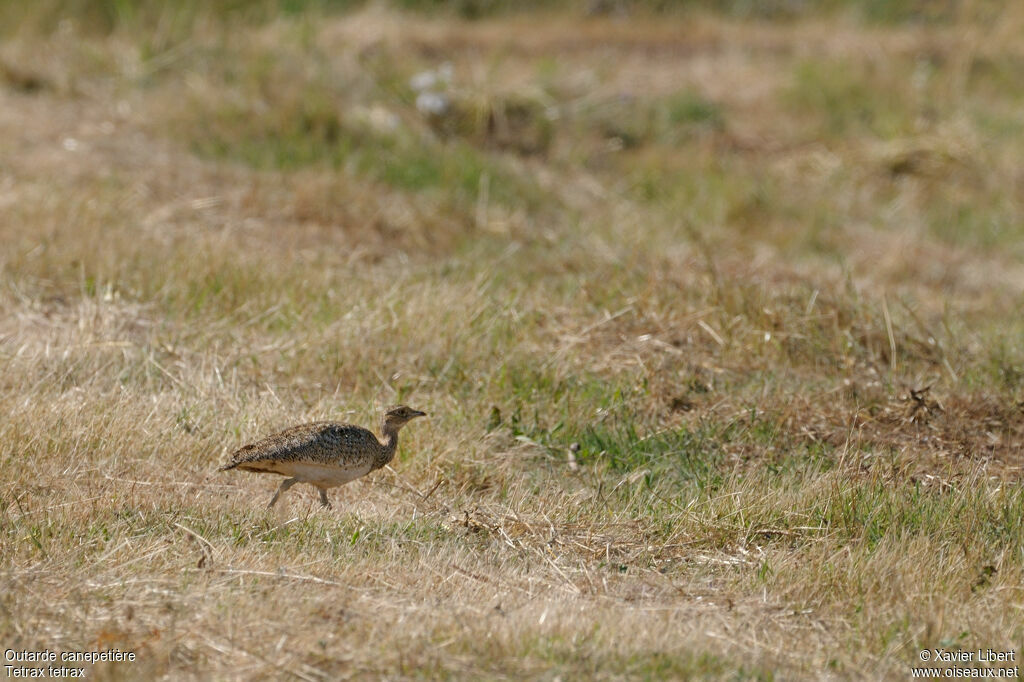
point(323, 454)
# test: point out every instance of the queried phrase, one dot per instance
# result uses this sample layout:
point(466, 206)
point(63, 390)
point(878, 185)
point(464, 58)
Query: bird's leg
point(324, 502)
point(285, 484)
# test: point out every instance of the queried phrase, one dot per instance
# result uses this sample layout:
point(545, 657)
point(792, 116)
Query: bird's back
point(322, 443)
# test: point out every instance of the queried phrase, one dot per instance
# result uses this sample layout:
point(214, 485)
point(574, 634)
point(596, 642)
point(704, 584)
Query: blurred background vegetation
point(113, 15)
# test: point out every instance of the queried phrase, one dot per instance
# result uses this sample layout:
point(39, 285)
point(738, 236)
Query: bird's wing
point(289, 444)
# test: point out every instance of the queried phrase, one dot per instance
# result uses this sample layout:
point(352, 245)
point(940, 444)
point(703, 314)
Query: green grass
point(993, 226)
point(308, 129)
point(861, 98)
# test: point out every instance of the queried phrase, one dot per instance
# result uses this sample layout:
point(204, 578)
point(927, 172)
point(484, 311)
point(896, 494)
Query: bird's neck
point(389, 445)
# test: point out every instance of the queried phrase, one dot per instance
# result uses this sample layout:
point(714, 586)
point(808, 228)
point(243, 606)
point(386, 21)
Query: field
point(716, 315)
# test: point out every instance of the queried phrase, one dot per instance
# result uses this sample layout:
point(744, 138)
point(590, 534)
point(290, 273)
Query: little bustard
point(323, 454)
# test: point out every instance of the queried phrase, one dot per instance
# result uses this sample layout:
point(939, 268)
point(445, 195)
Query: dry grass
point(767, 277)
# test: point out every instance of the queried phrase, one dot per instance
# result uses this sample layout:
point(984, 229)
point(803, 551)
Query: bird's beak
point(418, 414)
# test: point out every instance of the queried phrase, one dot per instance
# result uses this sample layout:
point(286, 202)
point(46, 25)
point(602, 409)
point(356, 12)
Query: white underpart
point(323, 476)
point(320, 475)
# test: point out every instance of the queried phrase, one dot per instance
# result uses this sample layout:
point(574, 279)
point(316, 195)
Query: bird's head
point(396, 417)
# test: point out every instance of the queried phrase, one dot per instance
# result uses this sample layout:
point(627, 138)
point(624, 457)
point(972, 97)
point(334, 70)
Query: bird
point(323, 454)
